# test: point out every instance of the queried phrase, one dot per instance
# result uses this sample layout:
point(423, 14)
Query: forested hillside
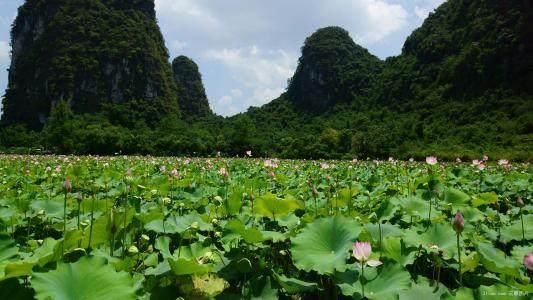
point(463, 85)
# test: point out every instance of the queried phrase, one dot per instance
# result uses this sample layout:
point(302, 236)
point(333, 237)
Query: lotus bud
point(67, 186)
point(458, 223)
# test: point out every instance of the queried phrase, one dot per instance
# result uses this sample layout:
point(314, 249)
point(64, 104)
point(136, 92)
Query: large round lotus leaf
point(8, 249)
point(388, 284)
point(87, 279)
point(424, 290)
point(496, 261)
point(270, 206)
point(324, 245)
point(437, 235)
point(456, 197)
point(513, 232)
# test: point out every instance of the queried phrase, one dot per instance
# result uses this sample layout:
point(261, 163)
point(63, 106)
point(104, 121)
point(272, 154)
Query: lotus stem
point(92, 221)
point(459, 258)
point(363, 279)
point(64, 223)
point(523, 231)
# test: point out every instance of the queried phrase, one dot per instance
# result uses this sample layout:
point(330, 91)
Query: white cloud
point(4, 54)
point(422, 11)
point(177, 46)
point(262, 73)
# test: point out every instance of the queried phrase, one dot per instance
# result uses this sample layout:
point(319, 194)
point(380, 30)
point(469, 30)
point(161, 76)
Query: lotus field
point(245, 228)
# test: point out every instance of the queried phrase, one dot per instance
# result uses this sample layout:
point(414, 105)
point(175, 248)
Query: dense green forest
point(462, 87)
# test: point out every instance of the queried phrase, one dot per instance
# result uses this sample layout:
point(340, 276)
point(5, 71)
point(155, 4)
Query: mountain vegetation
point(462, 86)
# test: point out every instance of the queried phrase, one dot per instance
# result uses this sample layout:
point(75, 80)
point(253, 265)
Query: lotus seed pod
point(133, 249)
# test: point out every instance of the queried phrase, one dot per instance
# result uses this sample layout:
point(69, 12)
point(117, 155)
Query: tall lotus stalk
point(362, 251)
point(92, 221)
point(431, 161)
point(67, 186)
point(520, 204)
point(459, 225)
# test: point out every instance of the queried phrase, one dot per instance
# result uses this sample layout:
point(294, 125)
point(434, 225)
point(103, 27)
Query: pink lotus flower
point(249, 153)
point(458, 160)
point(458, 223)
point(475, 162)
point(503, 162)
point(528, 261)
point(361, 252)
point(485, 158)
point(431, 160)
point(481, 166)
point(223, 172)
point(174, 173)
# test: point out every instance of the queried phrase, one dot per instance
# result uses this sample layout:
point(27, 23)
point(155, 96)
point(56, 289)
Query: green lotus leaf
point(484, 199)
point(162, 243)
point(324, 245)
point(294, 286)
point(179, 224)
point(184, 266)
point(390, 282)
point(87, 279)
point(270, 206)
point(456, 198)
point(387, 230)
point(235, 229)
point(461, 294)
point(423, 290)
point(393, 248)
point(437, 235)
point(414, 206)
point(387, 285)
point(8, 250)
point(494, 260)
point(51, 208)
point(513, 232)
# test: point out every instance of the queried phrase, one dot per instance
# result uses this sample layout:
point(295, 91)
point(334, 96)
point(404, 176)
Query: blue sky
point(247, 49)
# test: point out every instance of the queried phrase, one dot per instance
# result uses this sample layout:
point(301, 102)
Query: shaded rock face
point(191, 93)
point(332, 69)
point(86, 52)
